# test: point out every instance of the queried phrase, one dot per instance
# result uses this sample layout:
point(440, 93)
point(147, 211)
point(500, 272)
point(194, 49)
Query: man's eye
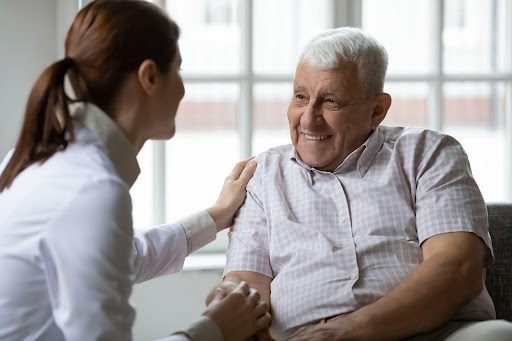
point(330, 100)
point(299, 96)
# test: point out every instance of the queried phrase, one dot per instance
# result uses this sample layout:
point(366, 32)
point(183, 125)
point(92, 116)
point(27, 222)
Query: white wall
point(27, 45)
point(32, 34)
point(171, 302)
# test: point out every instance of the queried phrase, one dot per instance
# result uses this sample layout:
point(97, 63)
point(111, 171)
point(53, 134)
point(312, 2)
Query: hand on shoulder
point(232, 194)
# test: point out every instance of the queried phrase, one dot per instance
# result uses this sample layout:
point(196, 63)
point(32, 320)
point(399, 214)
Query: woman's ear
point(380, 109)
point(147, 75)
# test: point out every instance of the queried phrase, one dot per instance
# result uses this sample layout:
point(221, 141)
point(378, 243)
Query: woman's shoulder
point(83, 163)
point(75, 181)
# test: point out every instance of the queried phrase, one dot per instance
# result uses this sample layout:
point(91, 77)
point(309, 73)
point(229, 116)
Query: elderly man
point(360, 231)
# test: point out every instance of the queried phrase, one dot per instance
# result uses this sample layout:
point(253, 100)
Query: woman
point(68, 254)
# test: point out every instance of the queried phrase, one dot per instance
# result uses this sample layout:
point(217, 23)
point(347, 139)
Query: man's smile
point(315, 137)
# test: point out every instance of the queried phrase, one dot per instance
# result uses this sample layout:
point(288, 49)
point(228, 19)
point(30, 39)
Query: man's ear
point(147, 75)
point(380, 109)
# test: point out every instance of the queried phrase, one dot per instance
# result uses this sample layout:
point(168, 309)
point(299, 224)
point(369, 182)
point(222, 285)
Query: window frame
point(343, 13)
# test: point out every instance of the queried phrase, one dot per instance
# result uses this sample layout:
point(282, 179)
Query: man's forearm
point(424, 300)
point(255, 280)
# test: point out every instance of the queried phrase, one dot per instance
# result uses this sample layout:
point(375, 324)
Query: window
point(455, 14)
point(450, 70)
point(221, 12)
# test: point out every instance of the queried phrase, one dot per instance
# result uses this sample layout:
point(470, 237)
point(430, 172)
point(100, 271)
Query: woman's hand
point(240, 313)
point(233, 193)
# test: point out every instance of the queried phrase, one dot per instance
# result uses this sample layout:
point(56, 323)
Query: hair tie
point(69, 62)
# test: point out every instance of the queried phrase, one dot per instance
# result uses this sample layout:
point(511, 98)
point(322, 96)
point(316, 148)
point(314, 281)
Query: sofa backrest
point(499, 275)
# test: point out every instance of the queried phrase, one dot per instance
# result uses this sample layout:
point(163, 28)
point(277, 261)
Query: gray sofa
point(499, 275)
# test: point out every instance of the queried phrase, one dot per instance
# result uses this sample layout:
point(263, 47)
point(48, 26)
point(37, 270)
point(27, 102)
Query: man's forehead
point(330, 78)
point(323, 87)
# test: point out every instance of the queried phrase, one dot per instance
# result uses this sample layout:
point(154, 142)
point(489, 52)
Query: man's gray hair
point(333, 47)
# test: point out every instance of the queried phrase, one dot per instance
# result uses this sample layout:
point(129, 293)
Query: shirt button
point(343, 220)
point(352, 276)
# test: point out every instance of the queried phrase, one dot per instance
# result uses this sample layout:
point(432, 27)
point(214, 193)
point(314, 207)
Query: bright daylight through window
point(450, 70)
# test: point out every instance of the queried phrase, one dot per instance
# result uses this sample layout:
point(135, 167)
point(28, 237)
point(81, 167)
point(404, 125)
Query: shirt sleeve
point(162, 249)
point(204, 329)
point(85, 254)
point(447, 196)
point(248, 239)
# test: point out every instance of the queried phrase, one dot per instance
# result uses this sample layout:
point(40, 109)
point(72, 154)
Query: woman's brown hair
point(107, 40)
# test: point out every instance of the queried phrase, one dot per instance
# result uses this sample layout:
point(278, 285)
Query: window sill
point(205, 262)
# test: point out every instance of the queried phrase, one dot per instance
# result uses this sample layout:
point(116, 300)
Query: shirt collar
point(294, 156)
point(372, 145)
point(117, 146)
point(364, 154)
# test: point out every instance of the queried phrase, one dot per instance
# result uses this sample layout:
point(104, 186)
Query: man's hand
point(334, 329)
point(452, 268)
point(317, 332)
point(239, 313)
point(454, 276)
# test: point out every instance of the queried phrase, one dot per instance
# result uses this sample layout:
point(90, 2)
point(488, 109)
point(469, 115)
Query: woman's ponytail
point(47, 126)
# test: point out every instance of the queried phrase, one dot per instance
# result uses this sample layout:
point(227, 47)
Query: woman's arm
point(85, 253)
point(162, 250)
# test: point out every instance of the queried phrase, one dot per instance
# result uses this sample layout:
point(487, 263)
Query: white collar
point(116, 144)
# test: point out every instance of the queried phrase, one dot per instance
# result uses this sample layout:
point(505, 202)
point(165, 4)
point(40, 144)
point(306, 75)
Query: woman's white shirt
point(68, 253)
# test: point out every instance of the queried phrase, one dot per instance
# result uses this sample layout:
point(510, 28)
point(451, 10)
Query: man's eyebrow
point(333, 93)
point(299, 88)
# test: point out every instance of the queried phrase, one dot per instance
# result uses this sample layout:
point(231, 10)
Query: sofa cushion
point(499, 275)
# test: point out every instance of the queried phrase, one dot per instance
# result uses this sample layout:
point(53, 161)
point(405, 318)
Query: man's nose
point(312, 115)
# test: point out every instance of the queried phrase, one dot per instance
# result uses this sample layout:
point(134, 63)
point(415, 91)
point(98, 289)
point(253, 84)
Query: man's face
point(328, 115)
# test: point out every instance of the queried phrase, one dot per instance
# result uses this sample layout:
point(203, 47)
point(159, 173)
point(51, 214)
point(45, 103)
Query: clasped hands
point(243, 306)
point(238, 310)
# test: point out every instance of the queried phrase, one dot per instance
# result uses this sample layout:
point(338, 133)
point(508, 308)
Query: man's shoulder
point(418, 145)
point(395, 133)
point(414, 136)
point(272, 161)
point(275, 156)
